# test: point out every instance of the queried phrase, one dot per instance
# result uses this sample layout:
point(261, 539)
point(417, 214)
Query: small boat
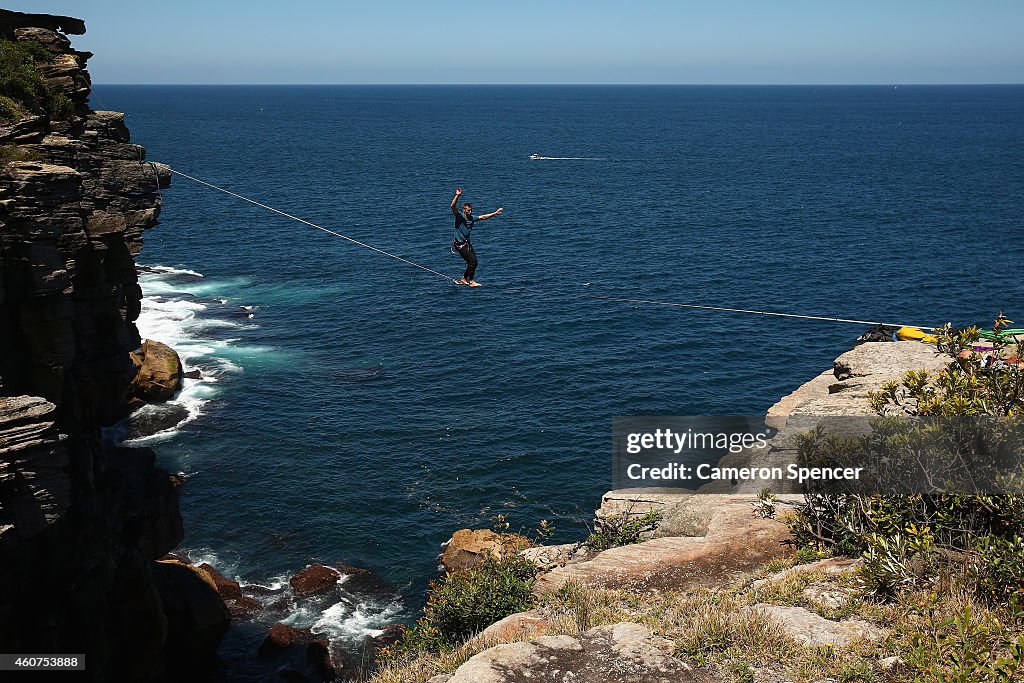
point(536, 156)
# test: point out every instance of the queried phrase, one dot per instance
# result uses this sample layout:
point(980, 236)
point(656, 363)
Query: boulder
point(513, 627)
point(151, 420)
point(226, 588)
point(173, 557)
point(244, 607)
point(282, 636)
point(891, 663)
point(159, 375)
point(831, 566)
point(320, 578)
point(314, 579)
point(318, 654)
point(359, 580)
point(809, 629)
point(731, 544)
point(828, 596)
point(389, 635)
point(197, 617)
point(551, 556)
point(468, 548)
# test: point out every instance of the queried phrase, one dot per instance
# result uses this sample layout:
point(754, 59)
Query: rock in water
point(316, 578)
point(227, 588)
point(196, 615)
point(282, 637)
point(154, 419)
point(160, 373)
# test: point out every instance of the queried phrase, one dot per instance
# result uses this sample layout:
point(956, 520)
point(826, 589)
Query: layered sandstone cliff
point(81, 521)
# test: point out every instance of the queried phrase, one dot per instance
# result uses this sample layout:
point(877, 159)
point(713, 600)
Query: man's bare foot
point(474, 283)
point(461, 281)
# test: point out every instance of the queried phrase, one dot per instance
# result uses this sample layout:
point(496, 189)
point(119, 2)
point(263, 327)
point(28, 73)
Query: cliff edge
point(81, 521)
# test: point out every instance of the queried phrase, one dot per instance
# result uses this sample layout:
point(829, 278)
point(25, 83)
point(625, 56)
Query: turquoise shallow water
point(360, 410)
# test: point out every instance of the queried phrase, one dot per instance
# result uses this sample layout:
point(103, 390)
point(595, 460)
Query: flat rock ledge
point(734, 544)
point(807, 628)
point(831, 566)
point(621, 653)
point(844, 389)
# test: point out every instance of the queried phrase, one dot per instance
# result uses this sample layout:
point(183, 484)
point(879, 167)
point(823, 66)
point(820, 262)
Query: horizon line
point(618, 85)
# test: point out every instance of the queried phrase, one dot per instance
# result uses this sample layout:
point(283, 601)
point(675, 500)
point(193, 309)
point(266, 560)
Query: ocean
point(354, 408)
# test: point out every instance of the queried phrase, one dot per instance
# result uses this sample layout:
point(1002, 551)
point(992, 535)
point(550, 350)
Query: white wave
point(214, 287)
point(354, 622)
point(216, 324)
point(274, 583)
point(173, 314)
point(225, 566)
point(174, 271)
point(194, 394)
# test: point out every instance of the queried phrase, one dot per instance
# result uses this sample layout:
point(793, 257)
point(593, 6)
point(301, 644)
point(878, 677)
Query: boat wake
point(538, 157)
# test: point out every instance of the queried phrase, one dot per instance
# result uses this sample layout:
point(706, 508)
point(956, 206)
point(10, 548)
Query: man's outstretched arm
point(489, 215)
point(458, 193)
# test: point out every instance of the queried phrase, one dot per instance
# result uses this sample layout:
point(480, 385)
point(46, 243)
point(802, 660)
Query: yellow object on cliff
point(915, 334)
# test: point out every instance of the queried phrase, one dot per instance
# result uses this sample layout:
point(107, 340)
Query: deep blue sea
point(356, 409)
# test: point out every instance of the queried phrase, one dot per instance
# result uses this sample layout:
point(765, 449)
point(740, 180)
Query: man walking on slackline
point(461, 244)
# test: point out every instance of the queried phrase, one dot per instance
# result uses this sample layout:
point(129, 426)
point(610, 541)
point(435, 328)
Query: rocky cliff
point(81, 521)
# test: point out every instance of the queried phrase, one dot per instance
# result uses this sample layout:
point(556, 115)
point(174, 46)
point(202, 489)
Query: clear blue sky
point(529, 41)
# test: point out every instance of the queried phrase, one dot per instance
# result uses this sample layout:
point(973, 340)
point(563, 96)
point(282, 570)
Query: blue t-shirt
point(463, 226)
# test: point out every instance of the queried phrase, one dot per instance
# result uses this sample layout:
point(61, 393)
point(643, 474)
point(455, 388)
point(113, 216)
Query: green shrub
point(619, 530)
point(893, 562)
point(998, 567)
point(22, 88)
point(965, 649)
point(461, 604)
point(9, 109)
point(10, 153)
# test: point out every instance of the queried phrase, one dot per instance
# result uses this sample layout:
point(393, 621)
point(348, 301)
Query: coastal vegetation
point(938, 582)
point(934, 633)
point(462, 603)
point(23, 91)
point(9, 153)
point(622, 529)
point(954, 557)
point(917, 539)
